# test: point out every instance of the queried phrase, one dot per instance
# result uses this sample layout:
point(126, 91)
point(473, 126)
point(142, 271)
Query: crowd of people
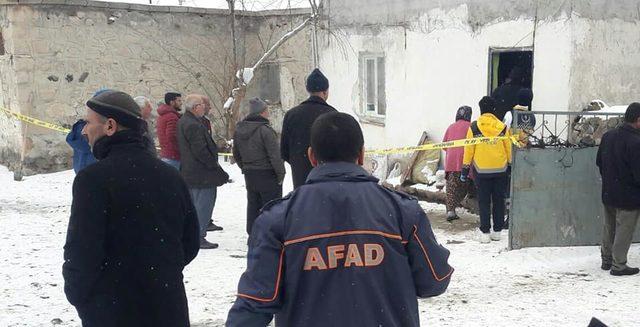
point(484, 169)
point(139, 216)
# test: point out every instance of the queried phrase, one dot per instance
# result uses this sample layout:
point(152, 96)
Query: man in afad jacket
point(491, 162)
point(257, 152)
point(619, 162)
point(340, 250)
point(296, 127)
point(132, 228)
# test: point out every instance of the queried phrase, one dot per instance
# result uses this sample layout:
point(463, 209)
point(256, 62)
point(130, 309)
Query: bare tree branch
point(282, 40)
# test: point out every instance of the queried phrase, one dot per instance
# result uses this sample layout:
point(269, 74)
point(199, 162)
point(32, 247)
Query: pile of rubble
point(588, 131)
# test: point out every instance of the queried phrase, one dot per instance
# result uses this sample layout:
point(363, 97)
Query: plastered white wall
point(439, 63)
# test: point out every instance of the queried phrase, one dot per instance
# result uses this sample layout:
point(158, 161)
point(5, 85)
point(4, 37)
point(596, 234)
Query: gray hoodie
point(255, 146)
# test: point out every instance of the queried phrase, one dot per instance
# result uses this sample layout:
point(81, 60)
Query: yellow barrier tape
point(224, 154)
point(447, 145)
point(431, 146)
point(55, 127)
point(36, 122)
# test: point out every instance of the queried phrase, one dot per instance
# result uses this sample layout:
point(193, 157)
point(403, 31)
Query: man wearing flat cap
point(256, 150)
point(297, 123)
point(132, 228)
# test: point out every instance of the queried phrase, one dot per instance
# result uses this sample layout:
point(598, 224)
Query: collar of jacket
point(164, 109)
point(631, 129)
point(109, 145)
point(339, 171)
point(316, 99)
point(256, 118)
point(488, 115)
point(188, 114)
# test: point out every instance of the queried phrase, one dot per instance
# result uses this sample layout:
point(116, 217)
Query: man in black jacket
point(506, 95)
point(297, 123)
point(619, 162)
point(256, 150)
point(132, 228)
point(199, 163)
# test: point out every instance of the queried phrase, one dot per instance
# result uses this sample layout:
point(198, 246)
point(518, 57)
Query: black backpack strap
point(475, 130)
point(504, 131)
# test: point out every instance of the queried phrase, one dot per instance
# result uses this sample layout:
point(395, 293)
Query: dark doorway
point(503, 60)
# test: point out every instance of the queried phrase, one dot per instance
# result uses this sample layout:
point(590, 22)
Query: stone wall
point(57, 55)
point(10, 129)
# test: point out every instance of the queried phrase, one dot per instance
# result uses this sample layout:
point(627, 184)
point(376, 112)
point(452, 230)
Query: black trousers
point(491, 200)
point(262, 187)
point(300, 169)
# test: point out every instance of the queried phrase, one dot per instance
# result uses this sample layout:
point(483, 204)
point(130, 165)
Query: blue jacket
point(82, 155)
point(340, 251)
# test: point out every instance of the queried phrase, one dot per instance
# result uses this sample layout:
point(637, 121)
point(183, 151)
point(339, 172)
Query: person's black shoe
point(213, 227)
point(204, 244)
point(606, 266)
point(624, 272)
point(452, 218)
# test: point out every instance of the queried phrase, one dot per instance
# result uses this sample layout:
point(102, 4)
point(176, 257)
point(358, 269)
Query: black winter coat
point(619, 162)
point(132, 230)
point(506, 97)
point(198, 154)
point(255, 146)
point(296, 135)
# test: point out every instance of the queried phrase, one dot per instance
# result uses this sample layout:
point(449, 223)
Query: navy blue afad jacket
point(340, 251)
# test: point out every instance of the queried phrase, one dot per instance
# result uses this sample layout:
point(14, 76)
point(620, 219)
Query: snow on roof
point(604, 108)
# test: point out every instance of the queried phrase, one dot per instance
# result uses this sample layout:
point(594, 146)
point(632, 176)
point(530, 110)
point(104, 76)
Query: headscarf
point(464, 113)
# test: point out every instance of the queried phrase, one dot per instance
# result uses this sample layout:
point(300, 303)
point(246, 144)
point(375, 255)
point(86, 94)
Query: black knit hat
point(487, 105)
point(117, 105)
point(257, 106)
point(317, 82)
point(525, 96)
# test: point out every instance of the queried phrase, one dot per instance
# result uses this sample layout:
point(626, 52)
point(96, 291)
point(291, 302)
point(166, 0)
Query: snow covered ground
point(491, 286)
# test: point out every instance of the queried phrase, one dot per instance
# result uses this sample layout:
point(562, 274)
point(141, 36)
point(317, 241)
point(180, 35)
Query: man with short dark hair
point(166, 127)
point(257, 152)
point(132, 228)
point(199, 166)
point(491, 162)
point(619, 163)
point(340, 250)
point(296, 126)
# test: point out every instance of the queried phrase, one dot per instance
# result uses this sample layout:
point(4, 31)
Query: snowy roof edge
point(155, 8)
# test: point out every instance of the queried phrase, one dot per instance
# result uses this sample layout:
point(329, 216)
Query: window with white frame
point(373, 85)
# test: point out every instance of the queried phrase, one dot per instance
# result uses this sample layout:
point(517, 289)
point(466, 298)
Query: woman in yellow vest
point(491, 162)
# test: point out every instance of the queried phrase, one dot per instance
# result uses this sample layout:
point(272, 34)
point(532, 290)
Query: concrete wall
point(60, 54)
point(437, 56)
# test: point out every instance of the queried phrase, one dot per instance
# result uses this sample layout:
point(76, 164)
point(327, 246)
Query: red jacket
point(167, 127)
point(456, 131)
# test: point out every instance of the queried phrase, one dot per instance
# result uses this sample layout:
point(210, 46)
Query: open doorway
point(510, 70)
point(502, 62)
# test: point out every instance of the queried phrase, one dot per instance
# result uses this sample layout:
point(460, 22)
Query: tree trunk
point(434, 197)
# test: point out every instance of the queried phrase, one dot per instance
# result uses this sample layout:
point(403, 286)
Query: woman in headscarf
point(456, 189)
